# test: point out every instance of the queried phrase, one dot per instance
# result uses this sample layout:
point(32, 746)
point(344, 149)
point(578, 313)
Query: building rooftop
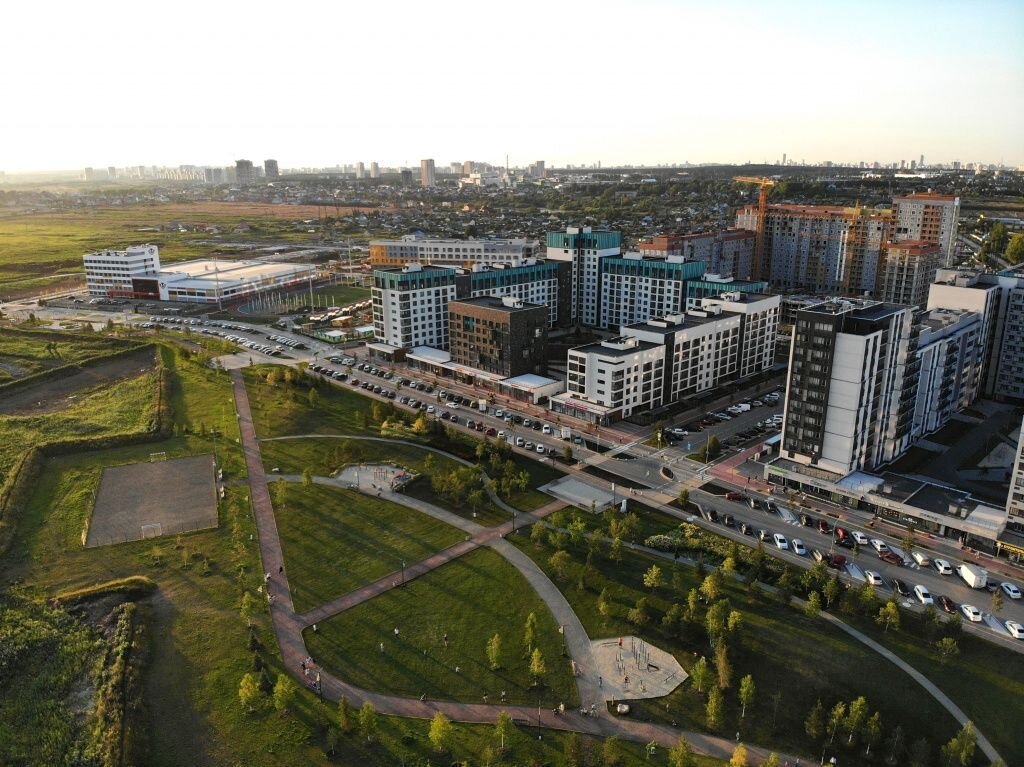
point(621, 346)
point(507, 304)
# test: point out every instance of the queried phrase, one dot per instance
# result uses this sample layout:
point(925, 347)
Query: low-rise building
point(113, 273)
point(419, 249)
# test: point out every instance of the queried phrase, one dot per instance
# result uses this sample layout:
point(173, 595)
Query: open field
point(801, 658)
point(470, 599)
point(25, 352)
point(337, 540)
point(340, 295)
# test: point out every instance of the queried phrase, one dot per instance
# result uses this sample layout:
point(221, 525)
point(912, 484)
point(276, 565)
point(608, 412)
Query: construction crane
point(762, 208)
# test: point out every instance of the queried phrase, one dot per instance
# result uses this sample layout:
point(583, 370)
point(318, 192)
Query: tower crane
point(762, 208)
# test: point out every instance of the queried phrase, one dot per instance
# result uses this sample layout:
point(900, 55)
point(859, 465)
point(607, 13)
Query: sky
point(316, 84)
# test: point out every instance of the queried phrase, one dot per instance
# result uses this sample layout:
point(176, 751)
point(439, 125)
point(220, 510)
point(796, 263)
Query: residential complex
point(951, 362)
point(419, 249)
point(530, 280)
point(907, 272)
point(502, 336)
point(410, 305)
point(1015, 499)
point(930, 218)
point(244, 172)
point(585, 250)
point(634, 288)
point(729, 253)
point(270, 169)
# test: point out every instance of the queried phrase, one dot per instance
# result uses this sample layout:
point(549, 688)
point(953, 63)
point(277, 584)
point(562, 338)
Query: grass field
point(801, 658)
point(337, 540)
point(340, 295)
point(25, 352)
point(471, 599)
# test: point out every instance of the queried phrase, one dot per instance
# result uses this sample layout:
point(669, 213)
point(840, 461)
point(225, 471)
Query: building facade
point(410, 305)
point(759, 325)
point(1015, 498)
point(427, 173)
point(951, 360)
point(112, 273)
point(930, 218)
point(635, 288)
point(545, 283)
point(852, 385)
point(729, 253)
point(503, 336)
point(244, 172)
point(270, 169)
point(584, 249)
point(419, 249)
point(907, 271)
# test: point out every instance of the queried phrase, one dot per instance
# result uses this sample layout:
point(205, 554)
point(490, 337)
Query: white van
point(923, 595)
point(921, 558)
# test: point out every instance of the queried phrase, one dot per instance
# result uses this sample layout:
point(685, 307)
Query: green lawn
point(801, 658)
point(340, 295)
point(471, 599)
point(24, 352)
point(540, 474)
point(650, 521)
point(337, 540)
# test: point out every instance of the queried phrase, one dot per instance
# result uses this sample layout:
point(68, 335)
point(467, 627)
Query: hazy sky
point(124, 83)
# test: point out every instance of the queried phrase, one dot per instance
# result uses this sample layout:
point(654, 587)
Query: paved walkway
point(288, 631)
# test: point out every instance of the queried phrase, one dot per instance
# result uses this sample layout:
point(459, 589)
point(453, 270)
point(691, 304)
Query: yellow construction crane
point(762, 208)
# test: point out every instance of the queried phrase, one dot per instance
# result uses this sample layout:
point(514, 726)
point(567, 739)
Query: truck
point(566, 433)
point(974, 577)
point(482, 404)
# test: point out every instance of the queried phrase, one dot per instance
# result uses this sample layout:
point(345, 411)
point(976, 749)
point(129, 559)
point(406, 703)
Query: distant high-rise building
point(455, 168)
point(141, 171)
point(907, 270)
point(920, 163)
point(406, 176)
point(111, 172)
point(468, 167)
point(360, 171)
point(427, 173)
point(90, 174)
point(244, 173)
point(270, 169)
point(374, 170)
point(783, 158)
point(928, 217)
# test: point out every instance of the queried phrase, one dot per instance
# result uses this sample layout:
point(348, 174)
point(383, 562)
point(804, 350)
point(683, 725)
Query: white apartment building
point(109, 273)
point(611, 379)
point(410, 305)
point(420, 249)
point(759, 325)
point(584, 249)
point(929, 217)
point(1015, 498)
point(635, 288)
point(951, 360)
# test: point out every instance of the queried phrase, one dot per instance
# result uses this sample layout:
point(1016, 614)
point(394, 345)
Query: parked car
point(754, 503)
point(734, 496)
point(921, 558)
point(746, 529)
point(944, 567)
point(780, 541)
point(946, 604)
point(763, 535)
point(836, 561)
point(873, 578)
point(1010, 590)
point(817, 555)
point(729, 520)
point(879, 546)
point(824, 527)
point(892, 558)
point(971, 613)
point(923, 595)
point(806, 520)
point(770, 507)
point(860, 538)
point(900, 587)
point(798, 547)
point(1016, 630)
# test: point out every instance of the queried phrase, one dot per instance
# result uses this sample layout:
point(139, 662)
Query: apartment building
point(112, 273)
point(245, 173)
point(584, 249)
point(635, 288)
point(410, 305)
point(611, 379)
point(729, 253)
point(820, 249)
point(930, 218)
point(270, 169)
point(419, 249)
point(852, 385)
point(759, 316)
point(427, 174)
point(951, 360)
point(907, 272)
point(1015, 498)
point(546, 283)
point(502, 336)
point(999, 300)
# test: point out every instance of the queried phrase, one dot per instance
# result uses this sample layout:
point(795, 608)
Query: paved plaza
point(631, 668)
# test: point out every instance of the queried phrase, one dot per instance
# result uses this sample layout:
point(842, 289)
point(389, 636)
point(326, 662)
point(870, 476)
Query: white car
point(780, 541)
point(921, 558)
point(971, 613)
point(879, 546)
point(873, 578)
point(520, 441)
point(1010, 590)
point(499, 413)
point(541, 448)
point(944, 567)
point(799, 548)
point(546, 429)
point(1016, 630)
point(430, 409)
point(923, 595)
point(860, 538)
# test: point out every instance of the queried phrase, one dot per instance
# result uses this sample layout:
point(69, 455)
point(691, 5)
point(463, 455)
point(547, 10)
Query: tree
point(573, 751)
point(771, 761)
point(947, 649)
point(659, 433)
point(715, 621)
point(476, 499)
point(344, 714)
point(530, 631)
point(855, 716)
point(314, 398)
point(872, 732)
point(723, 665)
point(307, 477)
point(1015, 250)
point(715, 708)
point(368, 721)
point(920, 753)
point(813, 606)
point(701, 673)
point(672, 618)
point(653, 578)
point(247, 608)
point(739, 756)
point(284, 693)
point(567, 454)
point(680, 755)
point(692, 604)
point(638, 614)
point(684, 498)
point(832, 590)
point(537, 667)
point(249, 692)
point(616, 551)
point(558, 562)
point(889, 615)
point(537, 533)
point(611, 752)
point(997, 601)
point(577, 529)
point(440, 734)
point(711, 588)
point(814, 724)
point(333, 736)
point(503, 730)
point(747, 692)
point(494, 651)
point(835, 719)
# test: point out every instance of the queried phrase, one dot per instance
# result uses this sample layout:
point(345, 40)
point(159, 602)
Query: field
point(800, 658)
point(337, 540)
point(341, 295)
point(470, 599)
point(23, 353)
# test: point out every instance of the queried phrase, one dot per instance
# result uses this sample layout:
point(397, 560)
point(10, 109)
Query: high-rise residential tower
point(427, 173)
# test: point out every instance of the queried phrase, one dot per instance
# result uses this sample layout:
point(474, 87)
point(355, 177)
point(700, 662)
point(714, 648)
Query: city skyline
point(815, 83)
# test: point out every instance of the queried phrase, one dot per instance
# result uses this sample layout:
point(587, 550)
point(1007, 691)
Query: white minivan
point(921, 558)
point(923, 595)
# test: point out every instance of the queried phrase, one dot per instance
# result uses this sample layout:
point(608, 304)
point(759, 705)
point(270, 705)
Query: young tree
point(573, 751)
point(711, 588)
point(672, 618)
point(960, 750)
point(771, 761)
point(715, 708)
point(368, 721)
point(680, 754)
point(577, 529)
point(723, 665)
point(747, 692)
point(530, 631)
point(684, 498)
point(692, 605)
point(503, 726)
point(567, 454)
point(537, 667)
point(494, 651)
point(307, 477)
point(249, 692)
point(284, 693)
point(835, 719)
point(872, 732)
point(344, 714)
point(638, 614)
point(889, 616)
point(997, 601)
point(813, 607)
point(440, 734)
point(814, 724)
point(653, 578)
point(920, 753)
point(537, 533)
point(832, 591)
point(947, 649)
point(616, 551)
point(611, 752)
point(739, 756)
point(701, 674)
point(247, 608)
point(558, 562)
point(314, 398)
point(855, 716)
point(716, 619)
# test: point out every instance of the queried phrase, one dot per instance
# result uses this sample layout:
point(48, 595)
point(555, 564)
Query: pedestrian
point(280, 569)
point(456, 669)
point(396, 632)
point(485, 698)
point(593, 709)
point(600, 682)
point(314, 628)
point(446, 639)
point(502, 696)
point(381, 648)
point(266, 578)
